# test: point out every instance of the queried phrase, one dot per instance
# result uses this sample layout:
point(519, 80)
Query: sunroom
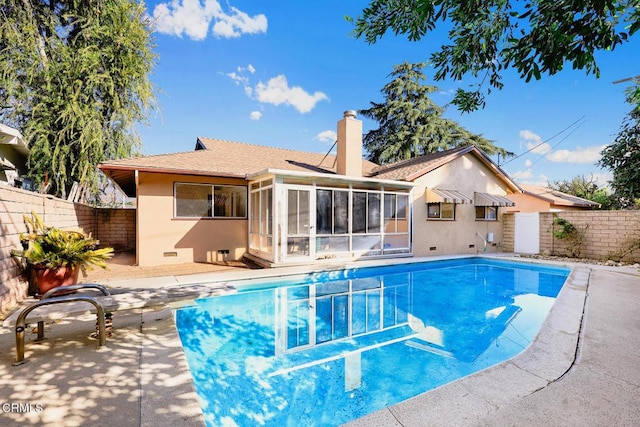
point(299, 217)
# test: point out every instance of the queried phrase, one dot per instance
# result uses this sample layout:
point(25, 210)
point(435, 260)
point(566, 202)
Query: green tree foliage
point(74, 80)
point(622, 158)
point(411, 124)
point(489, 36)
point(585, 188)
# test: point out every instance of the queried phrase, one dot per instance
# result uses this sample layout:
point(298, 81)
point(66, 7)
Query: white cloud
point(527, 163)
point(255, 115)
point(532, 140)
point(579, 155)
point(238, 78)
point(327, 136)
point(277, 91)
point(528, 177)
point(194, 17)
point(238, 23)
point(448, 92)
point(602, 179)
point(524, 174)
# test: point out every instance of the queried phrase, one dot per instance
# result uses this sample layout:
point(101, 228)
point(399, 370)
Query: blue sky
point(282, 73)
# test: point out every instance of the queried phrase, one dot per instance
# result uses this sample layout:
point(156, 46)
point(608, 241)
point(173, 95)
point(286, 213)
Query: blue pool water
point(335, 346)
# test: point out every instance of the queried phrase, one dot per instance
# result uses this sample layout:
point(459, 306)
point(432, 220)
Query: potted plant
point(57, 256)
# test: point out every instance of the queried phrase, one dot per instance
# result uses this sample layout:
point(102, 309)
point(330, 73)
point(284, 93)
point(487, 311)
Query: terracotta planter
point(48, 278)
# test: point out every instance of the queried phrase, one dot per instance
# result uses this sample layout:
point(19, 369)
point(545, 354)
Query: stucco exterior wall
point(526, 203)
point(438, 237)
point(163, 239)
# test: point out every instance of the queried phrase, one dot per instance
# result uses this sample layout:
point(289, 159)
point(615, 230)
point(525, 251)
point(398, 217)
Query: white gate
point(527, 233)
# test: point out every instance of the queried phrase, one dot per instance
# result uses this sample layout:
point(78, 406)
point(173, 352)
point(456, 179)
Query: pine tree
point(411, 124)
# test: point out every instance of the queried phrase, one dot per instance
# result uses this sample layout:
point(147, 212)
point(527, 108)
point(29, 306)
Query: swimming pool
point(331, 347)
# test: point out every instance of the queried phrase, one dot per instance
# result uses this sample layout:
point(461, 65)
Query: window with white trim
point(194, 200)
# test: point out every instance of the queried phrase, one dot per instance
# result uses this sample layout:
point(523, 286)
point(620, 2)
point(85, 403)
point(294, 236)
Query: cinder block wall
point(605, 232)
point(113, 227)
point(508, 231)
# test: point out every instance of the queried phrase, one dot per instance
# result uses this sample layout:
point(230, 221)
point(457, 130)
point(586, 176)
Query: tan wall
point(466, 175)
point(526, 203)
point(163, 239)
point(56, 212)
point(607, 232)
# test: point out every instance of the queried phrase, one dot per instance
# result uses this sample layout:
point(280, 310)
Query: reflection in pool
point(340, 345)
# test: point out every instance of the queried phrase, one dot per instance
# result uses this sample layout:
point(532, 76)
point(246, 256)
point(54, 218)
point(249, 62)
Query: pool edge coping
point(551, 355)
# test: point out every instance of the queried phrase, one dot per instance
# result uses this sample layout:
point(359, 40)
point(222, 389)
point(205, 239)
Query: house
point(13, 156)
point(538, 198)
point(458, 200)
point(226, 200)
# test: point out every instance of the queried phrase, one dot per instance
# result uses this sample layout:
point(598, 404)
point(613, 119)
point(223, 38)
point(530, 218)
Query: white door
point(301, 220)
point(527, 233)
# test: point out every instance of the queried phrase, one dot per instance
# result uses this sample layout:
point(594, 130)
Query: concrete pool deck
point(582, 368)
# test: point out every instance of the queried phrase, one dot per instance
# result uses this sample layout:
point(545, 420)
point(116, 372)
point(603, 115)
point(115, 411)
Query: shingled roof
point(412, 169)
point(556, 197)
point(216, 157)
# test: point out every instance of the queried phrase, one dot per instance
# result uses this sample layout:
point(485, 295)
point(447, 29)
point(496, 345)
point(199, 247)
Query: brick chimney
point(350, 145)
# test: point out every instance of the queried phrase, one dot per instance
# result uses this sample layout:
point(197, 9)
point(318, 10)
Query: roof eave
point(550, 200)
point(173, 171)
point(270, 171)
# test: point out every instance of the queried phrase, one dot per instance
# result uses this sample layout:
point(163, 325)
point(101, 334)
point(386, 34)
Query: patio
point(141, 379)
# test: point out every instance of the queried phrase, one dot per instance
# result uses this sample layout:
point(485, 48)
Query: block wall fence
point(606, 232)
point(113, 227)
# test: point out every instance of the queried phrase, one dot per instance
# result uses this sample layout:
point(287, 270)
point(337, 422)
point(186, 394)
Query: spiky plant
point(53, 248)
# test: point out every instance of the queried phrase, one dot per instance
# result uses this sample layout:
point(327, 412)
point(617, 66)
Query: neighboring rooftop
point(556, 197)
point(13, 137)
